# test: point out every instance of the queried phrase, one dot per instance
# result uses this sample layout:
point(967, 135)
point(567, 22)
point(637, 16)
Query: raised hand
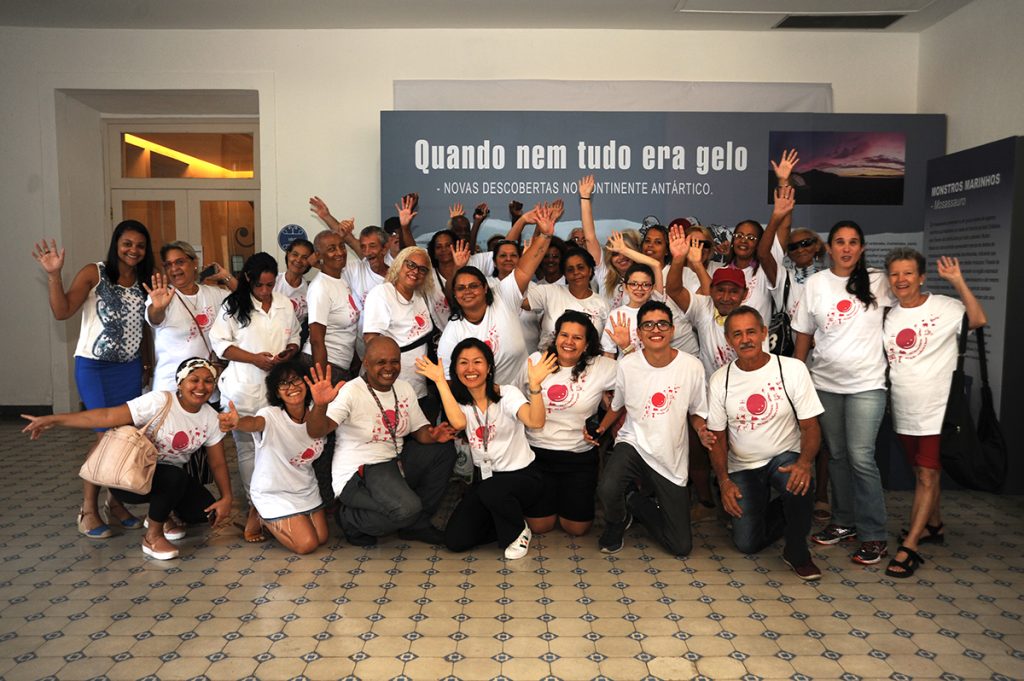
point(455, 210)
point(785, 166)
point(228, 419)
point(319, 208)
point(695, 254)
point(320, 387)
point(544, 215)
point(49, 257)
point(785, 199)
point(515, 210)
point(346, 227)
point(678, 244)
point(430, 370)
point(407, 209)
point(949, 269)
point(161, 294)
point(442, 432)
point(481, 212)
point(460, 254)
point(536, 373)
point(619, 330)
point(616, 244)
point(586, 186)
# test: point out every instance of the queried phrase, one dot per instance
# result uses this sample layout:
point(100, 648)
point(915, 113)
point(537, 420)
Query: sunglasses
point(803, 243)
point(746, 237)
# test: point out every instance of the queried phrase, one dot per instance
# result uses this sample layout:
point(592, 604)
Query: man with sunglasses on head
point(660, 389)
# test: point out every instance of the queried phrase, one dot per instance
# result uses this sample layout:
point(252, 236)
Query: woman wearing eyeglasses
point(492, 315)
point(400, 309)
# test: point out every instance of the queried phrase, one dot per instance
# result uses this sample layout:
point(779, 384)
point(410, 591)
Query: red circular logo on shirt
point(756, 404)
point(308, 454)
point(202, 320)
point(480, 432)
point(906, 338)
point(658, 400)
point(557, 393)
point(420, 321)
point(180, 440)
point(844, 305)
point(389, 418)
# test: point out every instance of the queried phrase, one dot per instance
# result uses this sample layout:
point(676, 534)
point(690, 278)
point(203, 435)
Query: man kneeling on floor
point(664, 389)
point(383, 481)
point(763, 411)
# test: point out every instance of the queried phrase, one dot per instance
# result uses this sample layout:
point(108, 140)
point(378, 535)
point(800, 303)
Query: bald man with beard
point(390, 466)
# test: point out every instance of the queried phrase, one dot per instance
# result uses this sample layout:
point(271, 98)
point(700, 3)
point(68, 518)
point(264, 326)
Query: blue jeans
point(765, 520)
point(850, 425)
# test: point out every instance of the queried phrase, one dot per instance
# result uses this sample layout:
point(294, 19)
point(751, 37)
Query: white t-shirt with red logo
point(363, 436)
point(499, 329)
point(658, 401)
point(178, 338)
point(554, 299)
point(756, 412)
point(181, 432)
point(569, 403)
point(507, 448)
point(388, 313)
point(847, 356)
point(283, 481)
point(361, 279)
point(921, 345)
point(760, 289)
point(297, 295)
point(332, 304)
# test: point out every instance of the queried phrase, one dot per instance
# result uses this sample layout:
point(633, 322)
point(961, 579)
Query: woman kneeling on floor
point(284, 489)
point(190, 423)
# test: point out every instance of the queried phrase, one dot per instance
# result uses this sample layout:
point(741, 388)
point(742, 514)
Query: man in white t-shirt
point(660, 389)
point(390, 466)
point(763, 412)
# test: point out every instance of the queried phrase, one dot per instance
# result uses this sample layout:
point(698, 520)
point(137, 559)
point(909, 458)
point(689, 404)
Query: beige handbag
point(125, 457)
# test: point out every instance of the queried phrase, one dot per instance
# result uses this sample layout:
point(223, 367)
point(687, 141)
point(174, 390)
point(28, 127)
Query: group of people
point(570, 372)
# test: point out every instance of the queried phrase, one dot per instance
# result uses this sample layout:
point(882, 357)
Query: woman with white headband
point(190, 423)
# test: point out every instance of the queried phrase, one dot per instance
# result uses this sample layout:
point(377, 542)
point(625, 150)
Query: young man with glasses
point(660, 389)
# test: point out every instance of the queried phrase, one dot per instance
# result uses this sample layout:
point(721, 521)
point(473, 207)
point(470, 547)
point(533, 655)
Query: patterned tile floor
point(75, 609)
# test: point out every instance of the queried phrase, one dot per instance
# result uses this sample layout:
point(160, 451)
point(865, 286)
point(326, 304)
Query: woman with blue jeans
point(841, 310)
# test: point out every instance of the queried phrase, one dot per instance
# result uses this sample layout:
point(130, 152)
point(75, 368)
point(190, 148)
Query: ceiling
point(703, 15)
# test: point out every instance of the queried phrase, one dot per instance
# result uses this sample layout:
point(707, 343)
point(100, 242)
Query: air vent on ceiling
point(846, 22)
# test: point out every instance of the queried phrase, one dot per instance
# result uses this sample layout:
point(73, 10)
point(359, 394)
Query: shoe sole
point(810, 578)
point(861, 561)
point(833, 542)
point(167, 555)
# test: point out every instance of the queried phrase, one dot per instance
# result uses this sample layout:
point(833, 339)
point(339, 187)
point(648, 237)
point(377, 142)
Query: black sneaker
point(611, 539)
point(807, 571)
point(833, 534)
point(870, 552)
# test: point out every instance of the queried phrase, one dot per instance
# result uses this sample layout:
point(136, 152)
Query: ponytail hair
point(859, 281)
point(238, 304)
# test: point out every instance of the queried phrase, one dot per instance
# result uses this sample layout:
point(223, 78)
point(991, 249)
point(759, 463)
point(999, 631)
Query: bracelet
point(584, 198)
point(628, 349)
point(536, 392)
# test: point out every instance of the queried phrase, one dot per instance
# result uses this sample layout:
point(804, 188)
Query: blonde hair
point(631, 237)
point(398, 264)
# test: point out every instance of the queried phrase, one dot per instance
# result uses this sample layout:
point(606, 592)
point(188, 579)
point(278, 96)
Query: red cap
point(729, 275)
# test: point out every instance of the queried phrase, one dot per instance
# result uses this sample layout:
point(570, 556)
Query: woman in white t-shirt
point(841, 311)
point(921, 343)
point(620, 336)
point(495, 417)
point(551, 300)
point(291, 282)
point(255, 331)
point(284, 488)
point(572, 394)
point(183, 423)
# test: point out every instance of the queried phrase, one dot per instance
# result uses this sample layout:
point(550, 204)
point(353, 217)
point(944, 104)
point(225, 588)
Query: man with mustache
point(763, 412)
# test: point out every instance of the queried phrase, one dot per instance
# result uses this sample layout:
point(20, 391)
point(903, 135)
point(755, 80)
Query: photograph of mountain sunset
point(844, 168)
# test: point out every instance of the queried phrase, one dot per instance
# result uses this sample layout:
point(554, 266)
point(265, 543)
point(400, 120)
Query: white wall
point(972, 69)
point(320, 97)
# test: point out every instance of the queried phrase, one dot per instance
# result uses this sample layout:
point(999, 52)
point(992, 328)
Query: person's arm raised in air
point(782, 215)
point(51, 260)
point(616, 244)
point(586, 188)
point(949, 269)
point(534, 254)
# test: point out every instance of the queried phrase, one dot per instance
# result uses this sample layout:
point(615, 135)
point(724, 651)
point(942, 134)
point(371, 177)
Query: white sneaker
point(173, 529)
point(520, 546)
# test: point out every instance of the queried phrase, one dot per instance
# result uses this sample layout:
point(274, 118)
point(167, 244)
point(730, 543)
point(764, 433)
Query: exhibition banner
point(661, 166)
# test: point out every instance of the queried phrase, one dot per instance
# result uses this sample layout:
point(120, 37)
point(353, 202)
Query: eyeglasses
point(746, 237)
point(640, 284)
point(803, 243)
point(180, 262)
point(294, 382)
point(475, 286)
point(413, 267)
point(660, 325)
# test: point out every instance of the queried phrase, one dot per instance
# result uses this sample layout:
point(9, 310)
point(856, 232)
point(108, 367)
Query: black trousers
point(173, 490)
point(494, 509)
